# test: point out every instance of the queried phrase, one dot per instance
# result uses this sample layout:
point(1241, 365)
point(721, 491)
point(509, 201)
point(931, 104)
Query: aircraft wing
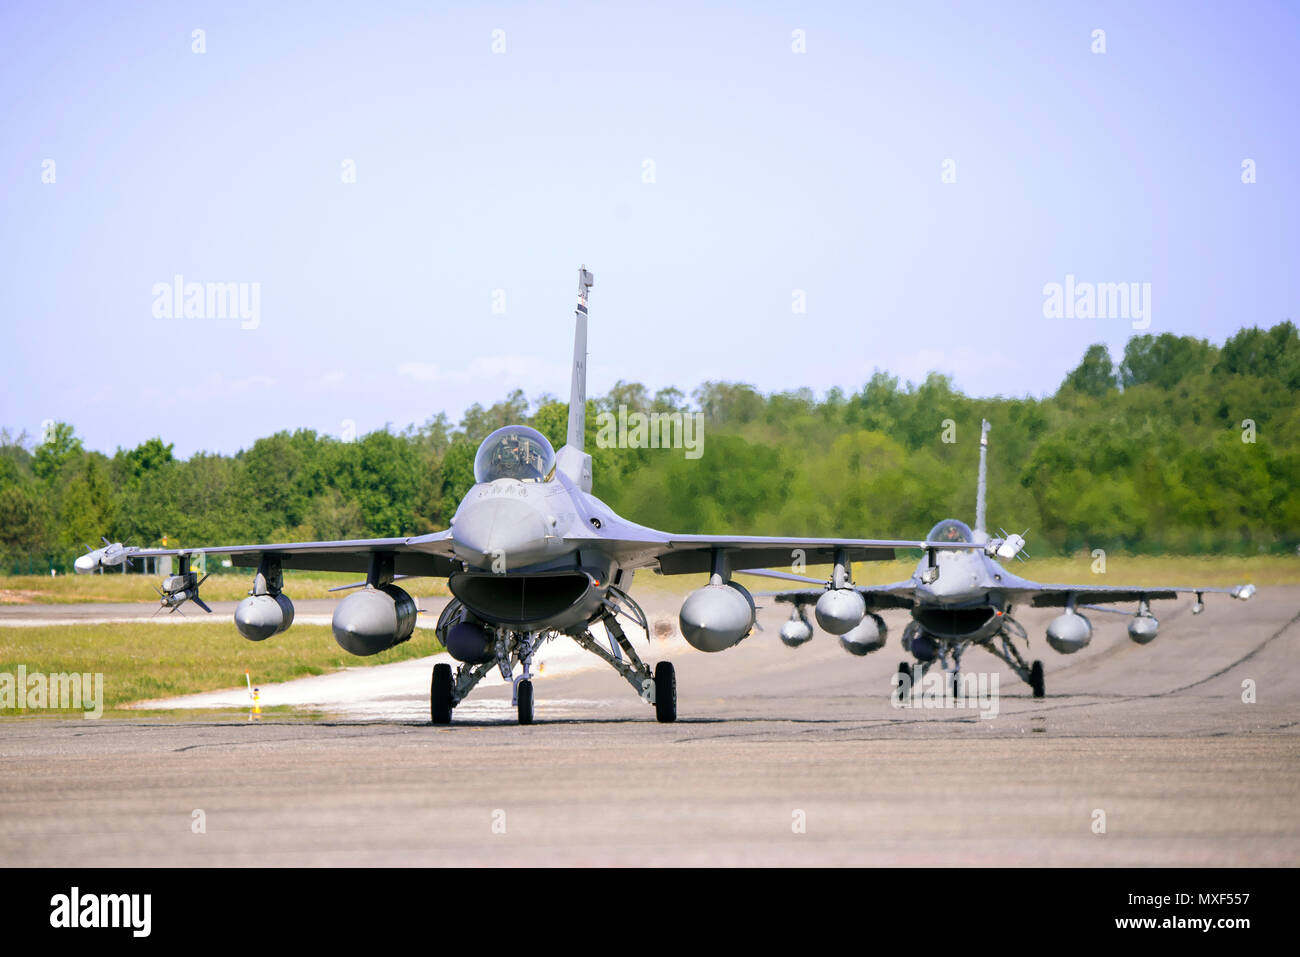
point(684, 554)
point(901, 594)
point(1058, 596)
point(895, 595)
point(415, 556)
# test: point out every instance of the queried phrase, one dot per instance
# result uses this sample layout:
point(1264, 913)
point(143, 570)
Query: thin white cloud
point(527, 372)
point(419, 371)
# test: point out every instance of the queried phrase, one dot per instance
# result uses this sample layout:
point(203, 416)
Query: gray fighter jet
point(531, 555)
point(968, 599)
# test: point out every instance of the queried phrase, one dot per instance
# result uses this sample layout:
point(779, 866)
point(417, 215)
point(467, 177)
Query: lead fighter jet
point(531, 555)
point(967, 601)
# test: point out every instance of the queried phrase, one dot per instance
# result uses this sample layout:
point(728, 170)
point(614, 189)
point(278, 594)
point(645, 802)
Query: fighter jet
point(966, 600)
point(530, 556)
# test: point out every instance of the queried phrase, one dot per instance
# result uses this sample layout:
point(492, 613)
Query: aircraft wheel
point(440, 694)
point(1036, 679)
point(904, 690)
point(525, 698)
point(665, 692)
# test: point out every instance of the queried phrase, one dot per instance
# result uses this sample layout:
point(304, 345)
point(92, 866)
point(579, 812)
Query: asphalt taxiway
point(1185, 751)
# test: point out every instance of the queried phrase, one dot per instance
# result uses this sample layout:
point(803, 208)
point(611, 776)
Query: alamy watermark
point(974, 690)
point(179, 299)
point(58, 692)
point(1098, 300)
point(128, 911)
point(651, 430)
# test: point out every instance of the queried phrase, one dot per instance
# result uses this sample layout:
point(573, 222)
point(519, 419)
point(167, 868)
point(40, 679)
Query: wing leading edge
point(415, 556)
point(686, 554)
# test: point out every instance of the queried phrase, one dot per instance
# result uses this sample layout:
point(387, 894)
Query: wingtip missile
point(112, 553)
point(1007, 547)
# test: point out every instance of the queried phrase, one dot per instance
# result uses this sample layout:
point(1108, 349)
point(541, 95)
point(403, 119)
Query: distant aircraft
point(530, 555)
point(967, 600)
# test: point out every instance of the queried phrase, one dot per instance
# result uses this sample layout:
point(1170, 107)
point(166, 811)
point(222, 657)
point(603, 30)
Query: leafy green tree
point(669, 399)
point(1266, 353)
point(457, 476)
point(59, 448)
point(1199, 452)
point(732, 403)
point(25, 523)
point(1095, 375)
point(150, 456)
point(1164, 360)
point(478, 422)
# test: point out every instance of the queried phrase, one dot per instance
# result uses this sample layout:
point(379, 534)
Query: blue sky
point(476, 171)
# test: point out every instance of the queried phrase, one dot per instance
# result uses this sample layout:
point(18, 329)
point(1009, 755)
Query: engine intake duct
point(954, 622)
point(526, 600)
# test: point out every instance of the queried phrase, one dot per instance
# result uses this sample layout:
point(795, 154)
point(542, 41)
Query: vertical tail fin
point(573, 459)
point(578, 387)
point(981, 532)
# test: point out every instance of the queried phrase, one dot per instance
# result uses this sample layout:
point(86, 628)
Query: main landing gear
point(1006, 651)
point(657, 688)
point(1001, 646)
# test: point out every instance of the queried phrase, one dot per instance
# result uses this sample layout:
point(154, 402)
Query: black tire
point(665, 692)
point(1036, 679)
point(440, 694)
point(904, 690)
point(524, 697)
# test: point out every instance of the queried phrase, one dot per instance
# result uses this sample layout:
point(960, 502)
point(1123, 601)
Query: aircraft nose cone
point(958, 577)
point(85, 564)
point(499, 534)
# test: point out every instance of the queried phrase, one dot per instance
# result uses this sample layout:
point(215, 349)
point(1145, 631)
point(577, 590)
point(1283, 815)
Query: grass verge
point(146, 660)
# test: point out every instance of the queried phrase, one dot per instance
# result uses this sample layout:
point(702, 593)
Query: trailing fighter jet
point(530, 556)
point(968, 599)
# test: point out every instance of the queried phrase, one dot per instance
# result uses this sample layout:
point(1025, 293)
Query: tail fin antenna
point(981, 490)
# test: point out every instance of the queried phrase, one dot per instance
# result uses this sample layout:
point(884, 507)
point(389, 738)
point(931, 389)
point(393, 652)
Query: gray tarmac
point(1138, 756)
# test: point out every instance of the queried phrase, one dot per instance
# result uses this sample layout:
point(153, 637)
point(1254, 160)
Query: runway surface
point(1139, 756)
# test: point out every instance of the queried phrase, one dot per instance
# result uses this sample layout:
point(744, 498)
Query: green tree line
point(1181, 446)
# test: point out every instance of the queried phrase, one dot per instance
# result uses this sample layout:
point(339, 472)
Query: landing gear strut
point(1007, 652)
point(659, 688)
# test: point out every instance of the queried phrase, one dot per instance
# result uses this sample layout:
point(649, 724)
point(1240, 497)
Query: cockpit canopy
point(516, 452)
point(950, 530)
